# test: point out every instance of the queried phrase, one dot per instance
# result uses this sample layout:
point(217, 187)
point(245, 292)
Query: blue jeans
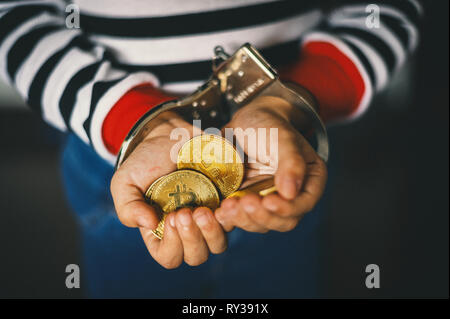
point(116, 262)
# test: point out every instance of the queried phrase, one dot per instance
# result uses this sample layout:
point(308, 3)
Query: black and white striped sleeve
point(61, 74)
point(377, 36)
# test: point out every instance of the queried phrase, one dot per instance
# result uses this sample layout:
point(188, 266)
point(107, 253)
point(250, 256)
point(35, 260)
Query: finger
point(314, 186)
point(232, 213)
point(168, 252)
point(280, 206)
point(287, 209)
point(226, 224)
point(263, 217)
point(240, 215)
point(291, 169)
point(131, 208)
point(226, 213)
point(211, 230)
point(308, 198)
point(194, 246)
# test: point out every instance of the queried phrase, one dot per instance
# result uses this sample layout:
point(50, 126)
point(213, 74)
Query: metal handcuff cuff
point(235, 81)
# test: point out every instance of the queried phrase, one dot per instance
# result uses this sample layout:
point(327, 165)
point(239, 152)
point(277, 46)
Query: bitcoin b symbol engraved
point(183, 198)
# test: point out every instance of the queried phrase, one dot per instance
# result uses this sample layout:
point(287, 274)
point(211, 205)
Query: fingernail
point(172, 220)
point(249, 208)
point(185, 220)
point(289, 187)
point(228, 204)
point(202, 219)
point(271, 207)
point(218, 216)
point(221, 222)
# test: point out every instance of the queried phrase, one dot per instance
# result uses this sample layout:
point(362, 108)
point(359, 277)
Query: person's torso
point(175, 38)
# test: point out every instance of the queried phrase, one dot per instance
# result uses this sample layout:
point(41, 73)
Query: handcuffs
point(235, 81)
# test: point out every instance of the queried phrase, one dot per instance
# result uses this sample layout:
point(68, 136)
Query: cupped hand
point(300, 174)
point(188, 235)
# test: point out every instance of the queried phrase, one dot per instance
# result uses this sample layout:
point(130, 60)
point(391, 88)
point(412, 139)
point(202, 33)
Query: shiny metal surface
point(234, 83)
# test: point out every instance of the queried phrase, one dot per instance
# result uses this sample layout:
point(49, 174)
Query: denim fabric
point(117, 264)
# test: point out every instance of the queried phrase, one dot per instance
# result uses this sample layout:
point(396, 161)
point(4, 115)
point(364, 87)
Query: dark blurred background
point(387, 196)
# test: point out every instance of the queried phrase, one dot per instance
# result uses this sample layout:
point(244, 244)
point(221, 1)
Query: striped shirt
point(74, 77)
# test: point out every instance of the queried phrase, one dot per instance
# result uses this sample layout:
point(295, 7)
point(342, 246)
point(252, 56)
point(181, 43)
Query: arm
point(63, 75)
point(72, 82)
point(342, 65)
point(346, 62)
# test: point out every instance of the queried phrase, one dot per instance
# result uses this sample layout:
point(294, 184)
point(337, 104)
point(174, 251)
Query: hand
point(300, 174)
point(188, 236)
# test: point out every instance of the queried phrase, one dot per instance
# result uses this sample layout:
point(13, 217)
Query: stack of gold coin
point(215, 157)
point(209, 169)
point(183, 188)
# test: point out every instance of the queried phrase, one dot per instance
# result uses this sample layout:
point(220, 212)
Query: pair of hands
point(300, 178)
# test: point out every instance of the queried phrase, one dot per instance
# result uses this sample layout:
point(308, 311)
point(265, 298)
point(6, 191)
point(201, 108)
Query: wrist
point(164, 124)
point(298, 117)
point(127, 111)
point(331, 76)
point(282, 109)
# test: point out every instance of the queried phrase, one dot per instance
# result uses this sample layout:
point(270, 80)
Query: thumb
point(131, 207)
point(291, 169)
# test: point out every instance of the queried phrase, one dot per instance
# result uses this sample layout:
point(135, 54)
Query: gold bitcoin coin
point(215, 157)
point(183, 188)
point(261, 188)
point(158, 232)
point(148, 193)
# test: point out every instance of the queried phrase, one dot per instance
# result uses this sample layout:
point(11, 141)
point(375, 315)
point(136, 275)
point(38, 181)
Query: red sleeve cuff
point(127, 111)
point(330, 76)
